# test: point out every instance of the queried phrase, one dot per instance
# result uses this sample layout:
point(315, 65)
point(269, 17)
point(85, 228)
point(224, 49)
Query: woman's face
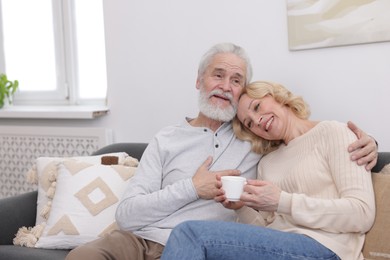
point(264, 117)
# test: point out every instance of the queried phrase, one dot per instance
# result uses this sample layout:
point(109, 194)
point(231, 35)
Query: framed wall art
point(327, 23)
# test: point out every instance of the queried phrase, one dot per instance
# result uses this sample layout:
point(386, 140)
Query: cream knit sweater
point(324, 195)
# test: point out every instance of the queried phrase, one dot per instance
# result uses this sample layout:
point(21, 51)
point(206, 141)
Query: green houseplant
point(7, 89)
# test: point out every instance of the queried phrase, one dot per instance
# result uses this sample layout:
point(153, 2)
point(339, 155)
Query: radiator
point(21, 145)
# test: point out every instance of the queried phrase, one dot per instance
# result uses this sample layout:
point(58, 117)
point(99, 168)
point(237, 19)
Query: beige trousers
point(118, 245)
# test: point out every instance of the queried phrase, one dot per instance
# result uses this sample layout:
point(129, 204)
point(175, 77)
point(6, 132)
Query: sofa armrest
point(16, 212)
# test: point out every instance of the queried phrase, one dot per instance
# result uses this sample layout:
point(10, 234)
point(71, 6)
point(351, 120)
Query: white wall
point(154, 46)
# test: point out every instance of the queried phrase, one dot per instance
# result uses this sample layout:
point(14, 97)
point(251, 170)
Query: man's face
point(220, 86)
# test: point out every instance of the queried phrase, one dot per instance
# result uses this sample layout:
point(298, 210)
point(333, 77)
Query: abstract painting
point(326, 23)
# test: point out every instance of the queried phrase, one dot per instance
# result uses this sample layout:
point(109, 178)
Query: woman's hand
point(261, 195)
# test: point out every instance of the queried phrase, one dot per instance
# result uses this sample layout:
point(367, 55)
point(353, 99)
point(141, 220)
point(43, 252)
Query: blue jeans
point(195, 240)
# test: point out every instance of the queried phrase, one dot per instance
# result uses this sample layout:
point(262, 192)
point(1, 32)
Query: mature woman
point(310, 200)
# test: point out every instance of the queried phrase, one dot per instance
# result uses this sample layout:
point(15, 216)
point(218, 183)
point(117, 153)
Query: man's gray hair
point(225, 48)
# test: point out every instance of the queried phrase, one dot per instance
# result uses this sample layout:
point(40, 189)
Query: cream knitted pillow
point(377, 243)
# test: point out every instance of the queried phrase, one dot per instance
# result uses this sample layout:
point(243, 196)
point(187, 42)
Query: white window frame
point(66, 92)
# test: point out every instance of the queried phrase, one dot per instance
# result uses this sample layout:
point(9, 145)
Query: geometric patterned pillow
point(45, 168)
point(82, 206)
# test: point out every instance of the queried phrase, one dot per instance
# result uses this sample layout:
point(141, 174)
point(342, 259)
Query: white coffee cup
point(233, 187)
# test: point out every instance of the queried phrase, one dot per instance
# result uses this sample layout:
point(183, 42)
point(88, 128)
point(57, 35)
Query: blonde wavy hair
point(258, 90)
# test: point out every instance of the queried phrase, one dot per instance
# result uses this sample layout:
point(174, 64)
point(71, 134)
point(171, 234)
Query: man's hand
point(221, 198)
point(205, 181)
point(364, 150)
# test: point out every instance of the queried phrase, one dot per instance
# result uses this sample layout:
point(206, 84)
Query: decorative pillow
point(377, 245)
point(45, 168)
point(83, 205)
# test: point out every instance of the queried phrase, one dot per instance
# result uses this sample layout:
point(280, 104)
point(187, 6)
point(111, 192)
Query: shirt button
point(205, 130)
point(216, 146)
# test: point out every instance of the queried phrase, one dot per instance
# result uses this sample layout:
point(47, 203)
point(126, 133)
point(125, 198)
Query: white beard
point(213, 111)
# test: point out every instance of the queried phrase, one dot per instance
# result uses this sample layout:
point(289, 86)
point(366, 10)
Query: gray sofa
point(20, 210)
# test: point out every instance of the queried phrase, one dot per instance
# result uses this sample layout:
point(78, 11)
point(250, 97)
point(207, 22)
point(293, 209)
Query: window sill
point(53, 112)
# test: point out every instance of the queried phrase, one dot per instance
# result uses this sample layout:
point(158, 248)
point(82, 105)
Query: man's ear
point(198, 83)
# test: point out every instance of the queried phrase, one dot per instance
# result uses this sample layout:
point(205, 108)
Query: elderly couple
point(309, 197)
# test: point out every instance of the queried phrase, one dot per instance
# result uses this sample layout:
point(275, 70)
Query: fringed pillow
point(45, 169)
point(81, 201)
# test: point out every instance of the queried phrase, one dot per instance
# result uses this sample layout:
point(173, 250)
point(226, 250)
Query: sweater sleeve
point(354, 209)
point(145, 201)
point(250, 216)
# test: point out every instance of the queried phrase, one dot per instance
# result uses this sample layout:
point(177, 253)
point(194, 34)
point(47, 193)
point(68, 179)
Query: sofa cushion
point(377, 244)
point(9, 252)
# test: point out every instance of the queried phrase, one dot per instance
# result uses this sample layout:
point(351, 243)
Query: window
point(55, 49)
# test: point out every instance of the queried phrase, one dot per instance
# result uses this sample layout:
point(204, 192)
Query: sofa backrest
point(133, 149)
point(383, 159)
point(137, 149)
